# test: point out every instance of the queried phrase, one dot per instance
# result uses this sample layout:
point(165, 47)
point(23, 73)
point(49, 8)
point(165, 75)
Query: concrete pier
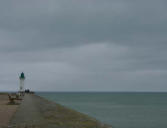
point(37, 112)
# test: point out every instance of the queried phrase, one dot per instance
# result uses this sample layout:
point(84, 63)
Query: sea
point(120, 109)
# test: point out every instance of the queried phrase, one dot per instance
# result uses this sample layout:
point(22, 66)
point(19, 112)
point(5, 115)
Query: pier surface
point(37, 112)
point(6, 110)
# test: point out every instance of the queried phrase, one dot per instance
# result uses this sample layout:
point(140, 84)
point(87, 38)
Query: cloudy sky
point(84, 45)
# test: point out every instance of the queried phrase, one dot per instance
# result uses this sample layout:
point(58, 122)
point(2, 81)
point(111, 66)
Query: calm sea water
point(121, 110)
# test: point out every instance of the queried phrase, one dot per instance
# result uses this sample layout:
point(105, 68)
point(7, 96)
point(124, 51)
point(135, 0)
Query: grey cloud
point(82, 45)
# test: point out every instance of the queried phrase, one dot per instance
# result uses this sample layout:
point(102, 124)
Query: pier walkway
point(37, 112)
point(28, 113)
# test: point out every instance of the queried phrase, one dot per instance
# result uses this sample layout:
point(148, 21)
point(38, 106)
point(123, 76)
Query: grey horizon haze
point(84, 45)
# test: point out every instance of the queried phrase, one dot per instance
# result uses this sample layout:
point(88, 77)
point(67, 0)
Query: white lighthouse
point(22, 78)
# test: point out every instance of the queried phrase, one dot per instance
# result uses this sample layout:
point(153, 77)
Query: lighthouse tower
point(22, 78)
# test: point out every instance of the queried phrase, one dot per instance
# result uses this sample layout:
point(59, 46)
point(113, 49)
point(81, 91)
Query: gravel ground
point(37, 112)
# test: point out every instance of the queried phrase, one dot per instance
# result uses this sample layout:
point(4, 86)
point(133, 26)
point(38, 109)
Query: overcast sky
point(84, 45)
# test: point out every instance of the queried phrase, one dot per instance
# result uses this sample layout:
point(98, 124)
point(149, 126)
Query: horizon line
point(98, 91)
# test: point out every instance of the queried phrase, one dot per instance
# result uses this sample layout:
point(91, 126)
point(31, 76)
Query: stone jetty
point(37, 112)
